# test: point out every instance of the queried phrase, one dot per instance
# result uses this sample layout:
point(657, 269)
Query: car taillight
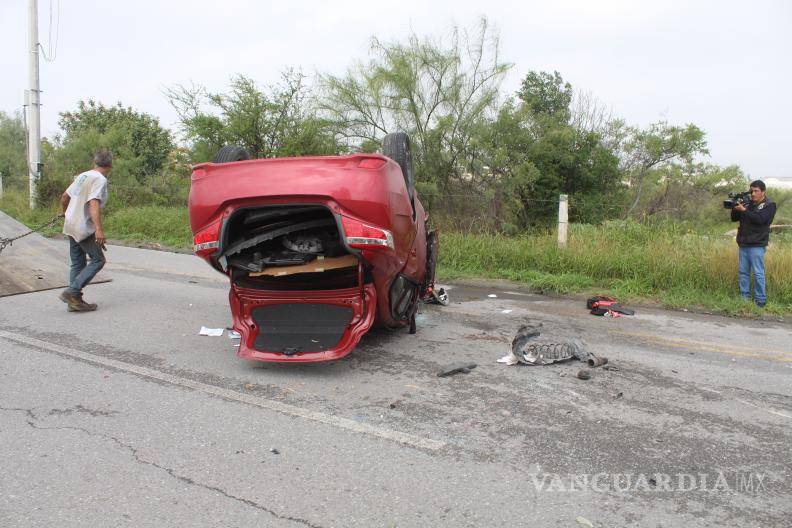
point(207, 240)
point(362, 236)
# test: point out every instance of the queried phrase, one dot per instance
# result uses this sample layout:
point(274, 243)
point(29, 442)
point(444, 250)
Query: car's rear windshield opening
point(288, 248)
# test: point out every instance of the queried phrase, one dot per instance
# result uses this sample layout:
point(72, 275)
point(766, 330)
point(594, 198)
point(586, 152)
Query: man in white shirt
point(82, 203)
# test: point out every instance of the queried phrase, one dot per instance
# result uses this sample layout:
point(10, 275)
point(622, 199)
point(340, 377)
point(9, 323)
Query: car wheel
point(413, 325)
point(231, 153)
point(396, 146)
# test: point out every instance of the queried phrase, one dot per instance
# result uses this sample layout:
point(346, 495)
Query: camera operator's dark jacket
point(754, 230)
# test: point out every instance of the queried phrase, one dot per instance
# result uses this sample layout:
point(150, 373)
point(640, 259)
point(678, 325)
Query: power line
point(53, 49)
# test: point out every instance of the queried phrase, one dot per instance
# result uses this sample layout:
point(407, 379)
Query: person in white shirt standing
point(82, 203)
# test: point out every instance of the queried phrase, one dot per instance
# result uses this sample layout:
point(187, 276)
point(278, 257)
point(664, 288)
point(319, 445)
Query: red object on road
point(317, 249)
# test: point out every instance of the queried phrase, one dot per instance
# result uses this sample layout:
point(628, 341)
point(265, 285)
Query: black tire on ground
point(231, 153)
point(396, 146)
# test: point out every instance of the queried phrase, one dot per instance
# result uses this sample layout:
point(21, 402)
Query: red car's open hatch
point(297, 292)
point(301, 326)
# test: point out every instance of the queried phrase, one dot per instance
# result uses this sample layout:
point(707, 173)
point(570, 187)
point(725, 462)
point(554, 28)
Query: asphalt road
point(127, 417)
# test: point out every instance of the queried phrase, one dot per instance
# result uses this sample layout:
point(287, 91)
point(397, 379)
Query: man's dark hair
point(104, 158)
point(759, 184)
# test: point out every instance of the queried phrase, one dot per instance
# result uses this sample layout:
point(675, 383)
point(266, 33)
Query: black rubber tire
point(396, 146)
point(413, 325)
point(432, 246)
point(231, 153)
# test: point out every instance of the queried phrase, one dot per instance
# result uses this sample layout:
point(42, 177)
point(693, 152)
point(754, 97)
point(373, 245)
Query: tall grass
point(160, 224)
point(666, 262)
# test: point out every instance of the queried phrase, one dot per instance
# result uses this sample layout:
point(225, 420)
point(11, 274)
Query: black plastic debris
point(456, 368)
point(525, 334)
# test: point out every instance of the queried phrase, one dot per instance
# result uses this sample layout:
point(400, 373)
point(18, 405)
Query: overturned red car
point(317, 249)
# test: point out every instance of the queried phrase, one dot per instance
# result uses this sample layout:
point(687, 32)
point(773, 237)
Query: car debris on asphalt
point(528, 352)
point(525, 350)
point(605, 306)
point(456, 368)
point(438, 295)
point(597, 361)
point(211, 332)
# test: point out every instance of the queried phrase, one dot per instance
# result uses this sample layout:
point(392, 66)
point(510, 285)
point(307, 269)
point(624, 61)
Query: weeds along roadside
point(664, 263)
point(669, 263)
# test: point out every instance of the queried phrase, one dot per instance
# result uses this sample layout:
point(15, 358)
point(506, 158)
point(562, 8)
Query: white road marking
point(765, 409)
point(284, 408)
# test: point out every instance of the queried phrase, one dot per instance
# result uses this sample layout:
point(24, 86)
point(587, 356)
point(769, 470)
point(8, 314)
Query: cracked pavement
point(126, 417)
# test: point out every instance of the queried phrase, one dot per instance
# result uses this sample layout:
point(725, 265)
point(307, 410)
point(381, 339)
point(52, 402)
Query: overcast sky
point(725, 66)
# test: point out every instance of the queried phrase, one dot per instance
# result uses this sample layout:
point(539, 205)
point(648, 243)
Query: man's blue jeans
point(82, 271)
point(752, 259)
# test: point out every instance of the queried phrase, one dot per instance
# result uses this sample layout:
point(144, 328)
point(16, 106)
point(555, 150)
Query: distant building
point(778, 183)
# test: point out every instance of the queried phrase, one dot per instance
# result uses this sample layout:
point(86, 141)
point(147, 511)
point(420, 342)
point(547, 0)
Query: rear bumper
point(301, 326)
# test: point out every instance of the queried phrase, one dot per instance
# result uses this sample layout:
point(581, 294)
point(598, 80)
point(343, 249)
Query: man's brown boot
point(70, 298)
point(82, 306)
point(76, 303)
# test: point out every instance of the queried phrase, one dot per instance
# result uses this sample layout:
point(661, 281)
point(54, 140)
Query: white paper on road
point(492, 296)
point(211, 332)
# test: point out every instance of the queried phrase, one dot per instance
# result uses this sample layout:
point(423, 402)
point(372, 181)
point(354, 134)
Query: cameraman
point(752, 237)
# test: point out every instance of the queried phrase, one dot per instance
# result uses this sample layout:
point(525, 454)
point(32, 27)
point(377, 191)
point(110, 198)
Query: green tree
point(575, 163)
point(547, 95)
point(277, 122)
point(525, 167)
point(13, 164)
point(140, 144)
point(141, 148)
point(690, 191)
point(500, 168)
point(435, 91)
point(660, 145)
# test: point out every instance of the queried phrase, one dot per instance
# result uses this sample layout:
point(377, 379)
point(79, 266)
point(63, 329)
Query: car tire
point(396, 146)
point(231, 153)
point(431, 261)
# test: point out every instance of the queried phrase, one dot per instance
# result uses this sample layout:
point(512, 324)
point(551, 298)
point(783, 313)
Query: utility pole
point(33, 103)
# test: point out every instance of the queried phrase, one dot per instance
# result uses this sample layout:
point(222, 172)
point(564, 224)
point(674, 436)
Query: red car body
point(238, 212)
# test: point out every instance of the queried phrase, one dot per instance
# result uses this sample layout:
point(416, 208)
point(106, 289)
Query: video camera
point(743, 198)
